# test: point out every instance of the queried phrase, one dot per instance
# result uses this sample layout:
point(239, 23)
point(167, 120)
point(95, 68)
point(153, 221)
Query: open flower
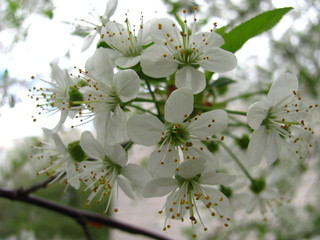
point(62, 159)
point(126, 46)
point(185, 51)
point(274, 120)
point(58, 97)
point(191, 186)
point(178, 133)
point(108, 169)
point(93, 29)
point(106, 93)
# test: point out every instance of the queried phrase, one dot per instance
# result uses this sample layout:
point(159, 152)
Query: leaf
point(239, 35)
point(221, 84)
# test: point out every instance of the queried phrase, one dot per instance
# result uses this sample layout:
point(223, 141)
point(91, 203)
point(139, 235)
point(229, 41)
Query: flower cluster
point(155, 88)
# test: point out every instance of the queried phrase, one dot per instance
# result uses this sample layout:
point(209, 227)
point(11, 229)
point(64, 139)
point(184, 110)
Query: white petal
point(273, 146)
point(117, 127)
point(159, 187)
point(91, 146)
point(208, 123)
point(217, 179)
point(179, 105)
point(63, 117)
point(257, 145)
point(145, 129)
point(117, 154)
point(110, 9)
point(88, 40)
point(168, 27)
point(71, 173)
point(56, 139)
point(126, 84)
point(257, 112)
point(191, 78)
point(127, 62)
point(154, 64)
point(212, 40)
point(191, 168)
point(136, 174)
point(101, 123)
point(100, 65)
point(282, 88)
point(164, 163)
point(219, 60)
point(125, 186)
point(60, 76)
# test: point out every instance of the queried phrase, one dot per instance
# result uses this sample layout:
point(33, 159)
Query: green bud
point(76, 152)
point(258, 185)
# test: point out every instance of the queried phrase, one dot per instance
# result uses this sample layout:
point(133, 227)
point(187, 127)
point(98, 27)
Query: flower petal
point(165, 30)
point(110, 9)
point(217, 179)
point(257, 145)
point(136, 174)
point(273, 146)
point(283, 87)
point(191, 78)
point(164, 163)
point(100, 65)
point(191, 168)
point(179, 105)
point(145, 130)
point(154, 64)
point(159, 187)
point(257, 112)
point(219, 60)
point(116, 153)
point(208, 123)
point(126, 84)
point(127, 62)
point(125, 186)
point(91, 146)
point(88, 40)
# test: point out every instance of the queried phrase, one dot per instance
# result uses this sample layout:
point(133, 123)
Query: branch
point(80, 216)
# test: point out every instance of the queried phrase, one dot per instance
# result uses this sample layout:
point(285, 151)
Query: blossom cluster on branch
point(157, 86)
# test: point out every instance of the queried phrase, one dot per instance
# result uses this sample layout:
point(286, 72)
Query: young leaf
point(239, 35)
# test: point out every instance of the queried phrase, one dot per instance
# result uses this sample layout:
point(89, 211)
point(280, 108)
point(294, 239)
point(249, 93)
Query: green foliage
point(221, 84)
point(239, 35)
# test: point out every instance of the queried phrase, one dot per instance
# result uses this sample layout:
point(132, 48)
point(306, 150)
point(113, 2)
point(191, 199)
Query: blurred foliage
point(16, 217)
point(13, 14)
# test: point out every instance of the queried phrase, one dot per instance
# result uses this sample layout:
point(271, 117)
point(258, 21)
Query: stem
point(246, 95)
point(237, 160)
point(142, 109)
point(228, 111)
point(78, 215)
point(154, 98)
point(147, 100)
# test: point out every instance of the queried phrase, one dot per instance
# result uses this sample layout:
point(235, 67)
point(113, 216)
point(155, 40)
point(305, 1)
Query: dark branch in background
point(81, 216)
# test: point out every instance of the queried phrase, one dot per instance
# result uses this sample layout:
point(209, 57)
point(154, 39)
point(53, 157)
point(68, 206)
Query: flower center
point(177, 134)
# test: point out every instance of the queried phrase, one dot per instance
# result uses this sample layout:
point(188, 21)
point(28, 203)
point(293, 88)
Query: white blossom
point(62, 163)
point(106, 94)
point(107, 170)
point(275, 119)
point(192, 185)
point(126, 46)
point(178, 133)
point(182, 52)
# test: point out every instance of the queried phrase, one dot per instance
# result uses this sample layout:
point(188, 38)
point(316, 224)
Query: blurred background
point(35, 33)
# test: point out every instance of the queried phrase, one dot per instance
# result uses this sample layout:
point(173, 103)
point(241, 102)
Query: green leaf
point(239, 35)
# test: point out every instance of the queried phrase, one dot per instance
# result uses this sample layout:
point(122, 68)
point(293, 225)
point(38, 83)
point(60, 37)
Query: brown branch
point(80, 216)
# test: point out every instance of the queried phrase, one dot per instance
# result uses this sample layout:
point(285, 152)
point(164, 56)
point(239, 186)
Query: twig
point(77, 214)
